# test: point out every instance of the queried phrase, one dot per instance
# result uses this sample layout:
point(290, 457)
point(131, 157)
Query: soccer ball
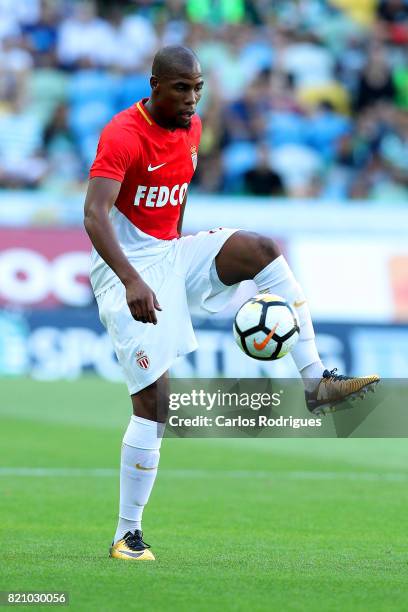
point(266, 327)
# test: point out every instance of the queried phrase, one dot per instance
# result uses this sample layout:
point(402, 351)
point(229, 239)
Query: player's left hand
point(142, 301)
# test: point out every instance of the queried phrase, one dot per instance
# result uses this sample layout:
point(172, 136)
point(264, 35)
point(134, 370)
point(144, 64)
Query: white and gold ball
point(266, 327)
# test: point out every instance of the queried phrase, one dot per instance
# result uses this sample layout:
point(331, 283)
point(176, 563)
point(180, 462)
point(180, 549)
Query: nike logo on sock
point(145, 469)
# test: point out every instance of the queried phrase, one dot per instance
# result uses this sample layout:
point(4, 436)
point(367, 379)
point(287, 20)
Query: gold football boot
point(334, 389)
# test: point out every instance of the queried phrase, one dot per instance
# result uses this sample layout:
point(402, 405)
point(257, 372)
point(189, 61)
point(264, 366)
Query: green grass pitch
point(295, 524)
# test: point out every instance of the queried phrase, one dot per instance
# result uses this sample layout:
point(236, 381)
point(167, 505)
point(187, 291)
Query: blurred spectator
point(41, 36)
point(17, 13)
point(15, 64)
point(394, 148)
point(172, 24)
point(13, 56)
point(351, 61)
point(376, 83)
point(61, 149)
point(219, 55)
point(307, 60)
point(326, 128)
point(21, 162)
point(83, 38)
point(393, 11)
point(282, 93)
point(245, 117)
point(131, 43)
point(262, 180)
point(123, 42)
point(355, 152)
point(46, 88)
point(394, 20)
point(300, 168)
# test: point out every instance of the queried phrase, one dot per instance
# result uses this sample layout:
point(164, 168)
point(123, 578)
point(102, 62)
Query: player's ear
point(154, 82)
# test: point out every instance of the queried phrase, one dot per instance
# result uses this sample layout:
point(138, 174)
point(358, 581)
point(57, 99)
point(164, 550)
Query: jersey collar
point(152, 123)
point(144, 112)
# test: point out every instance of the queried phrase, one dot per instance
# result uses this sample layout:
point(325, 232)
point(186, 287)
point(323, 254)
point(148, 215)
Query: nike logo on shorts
point(150, 168)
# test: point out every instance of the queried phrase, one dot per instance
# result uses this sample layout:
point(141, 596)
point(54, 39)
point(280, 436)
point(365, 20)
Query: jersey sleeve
point(113, 155)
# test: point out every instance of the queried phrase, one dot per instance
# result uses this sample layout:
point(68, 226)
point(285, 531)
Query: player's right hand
point(142, 301)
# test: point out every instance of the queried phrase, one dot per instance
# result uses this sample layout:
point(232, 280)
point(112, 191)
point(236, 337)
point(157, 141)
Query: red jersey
point(154, 165)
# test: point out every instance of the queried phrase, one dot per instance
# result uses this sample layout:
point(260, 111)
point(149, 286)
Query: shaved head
point(176, 84)
point(173, 60)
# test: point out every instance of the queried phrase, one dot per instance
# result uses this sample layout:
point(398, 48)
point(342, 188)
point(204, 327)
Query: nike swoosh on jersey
point(150, 168)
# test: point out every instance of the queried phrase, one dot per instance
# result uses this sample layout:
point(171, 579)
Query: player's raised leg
point(247, 255)
point(139, 463)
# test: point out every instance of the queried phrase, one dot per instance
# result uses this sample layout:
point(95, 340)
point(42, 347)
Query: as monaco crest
point(142, 360)
point(194, 156)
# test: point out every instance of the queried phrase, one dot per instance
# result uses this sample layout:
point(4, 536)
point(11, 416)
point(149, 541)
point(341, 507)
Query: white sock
point(278, 278)
point(138, 469)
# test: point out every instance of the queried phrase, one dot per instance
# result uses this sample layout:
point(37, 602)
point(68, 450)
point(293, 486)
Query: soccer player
point(147, 278)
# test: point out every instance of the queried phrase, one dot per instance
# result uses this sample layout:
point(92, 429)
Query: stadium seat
point(286, 127)
point(324, 130)
point(87, 147)
point(89, 118)
point(237, 158)
point(89, 85)
point(47, 87)
point(132, 88)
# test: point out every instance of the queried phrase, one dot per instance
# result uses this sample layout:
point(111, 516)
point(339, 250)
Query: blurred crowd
point(303, 98)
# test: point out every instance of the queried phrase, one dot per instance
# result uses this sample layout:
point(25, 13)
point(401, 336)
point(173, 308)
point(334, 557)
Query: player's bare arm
point(101, 196)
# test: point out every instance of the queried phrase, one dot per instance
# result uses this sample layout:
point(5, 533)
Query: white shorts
point(181, 280)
